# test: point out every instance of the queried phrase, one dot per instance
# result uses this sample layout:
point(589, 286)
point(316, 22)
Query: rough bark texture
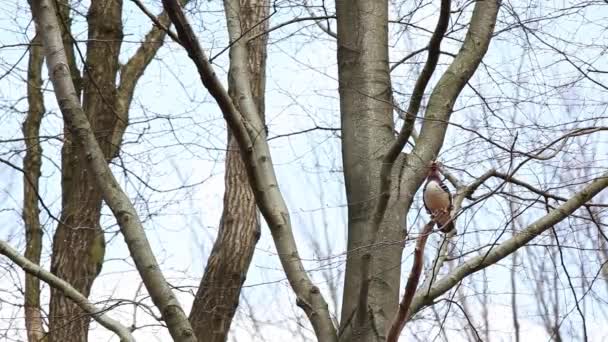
point(96, 162)
point(248, 129)
point(31, 165)
point(367, 130)
point(78, 244)
point(218, 294)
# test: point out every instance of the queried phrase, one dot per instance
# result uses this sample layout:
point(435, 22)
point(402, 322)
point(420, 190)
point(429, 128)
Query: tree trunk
point(95, 155)
point(78, 244)
point(367, 132)
point(31, 165)
point(218, 294)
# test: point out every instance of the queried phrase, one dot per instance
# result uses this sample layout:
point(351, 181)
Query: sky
point(301, 93)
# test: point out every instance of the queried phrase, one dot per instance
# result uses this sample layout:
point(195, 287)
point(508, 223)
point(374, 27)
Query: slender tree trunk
point(31, 165)
point(218, 294)
point(367, 131)
point(248, 129)
point(514, 265)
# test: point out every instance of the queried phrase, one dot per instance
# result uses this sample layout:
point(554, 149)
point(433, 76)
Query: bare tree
point(95, 162)
point(78, 244)
point(414, 82)
point(218, 294)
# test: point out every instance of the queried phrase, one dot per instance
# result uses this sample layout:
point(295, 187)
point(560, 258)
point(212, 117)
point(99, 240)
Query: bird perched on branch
point(438, 200)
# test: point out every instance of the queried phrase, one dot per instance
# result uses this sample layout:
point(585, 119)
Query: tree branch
point(451, 83)
point(246, 124)
point(122, 208)
point(497, 253)
point(96, 313)
point(412, 283)
point(131, 72)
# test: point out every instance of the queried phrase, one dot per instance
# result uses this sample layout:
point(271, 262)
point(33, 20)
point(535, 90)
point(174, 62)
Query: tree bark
point(79, 244)
point(248, 129)
point(218, 294)
point(96, 162)
point(367, 130)
point(367, 127)
point(31, 165)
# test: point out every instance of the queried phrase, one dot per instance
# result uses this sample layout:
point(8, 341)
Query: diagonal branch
point(462, 192)
point(247, 126)
point(131, 72)
point(96, 313)
point(410, 288)
point(118, 201)
point(410, 115)
point(453, 80)
point(500, 251)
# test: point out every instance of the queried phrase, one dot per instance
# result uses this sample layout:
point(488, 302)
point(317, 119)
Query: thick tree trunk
point(367, 132)
point(78, 244)
point(96, 160)
point(31, 165)
point(218, 294)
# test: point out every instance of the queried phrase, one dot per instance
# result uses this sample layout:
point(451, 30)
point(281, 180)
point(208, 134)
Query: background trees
point(509, 96)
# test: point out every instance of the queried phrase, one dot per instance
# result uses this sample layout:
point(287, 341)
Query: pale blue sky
point(301, 92)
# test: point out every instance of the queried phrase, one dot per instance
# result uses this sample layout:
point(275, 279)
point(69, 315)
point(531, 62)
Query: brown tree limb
point(161, 22)
point(122, 208)
point(69, 291)
point(133, 69)
point(451, 83)
point(32, 163)
point(412, 283)
point(410, 115)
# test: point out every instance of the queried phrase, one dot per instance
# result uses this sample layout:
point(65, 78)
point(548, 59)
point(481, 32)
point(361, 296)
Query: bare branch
point(96, 313)
point(454, 79)
point(122, 208)
point(161, 22)
point(498, 252)
point(248, 129)
point(407, 57)
point(410, 288)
